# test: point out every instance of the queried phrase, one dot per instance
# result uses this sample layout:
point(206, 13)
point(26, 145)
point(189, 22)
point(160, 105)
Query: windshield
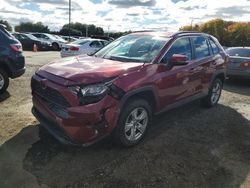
point(133, 48)
point(51, 36)
point(241, 52)
point(31, 37)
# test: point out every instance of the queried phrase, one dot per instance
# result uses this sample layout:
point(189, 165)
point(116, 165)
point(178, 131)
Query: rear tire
point(133, 122)
point(214, 94)
point(4, 81)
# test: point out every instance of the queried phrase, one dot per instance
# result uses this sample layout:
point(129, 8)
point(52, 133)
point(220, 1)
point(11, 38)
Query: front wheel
point(4, 81)
point(55, 46)
point(214, 94)
point(133, 122)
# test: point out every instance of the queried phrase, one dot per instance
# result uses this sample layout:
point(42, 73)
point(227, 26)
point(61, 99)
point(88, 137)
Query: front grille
point(49, 95)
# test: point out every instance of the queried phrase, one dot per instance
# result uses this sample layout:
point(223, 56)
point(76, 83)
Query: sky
point(124, 15)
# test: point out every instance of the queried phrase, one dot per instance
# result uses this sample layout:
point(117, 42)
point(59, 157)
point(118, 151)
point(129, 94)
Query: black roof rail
point(187, 32)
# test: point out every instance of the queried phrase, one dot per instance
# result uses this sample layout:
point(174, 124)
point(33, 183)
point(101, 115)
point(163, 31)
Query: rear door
point(204, 64)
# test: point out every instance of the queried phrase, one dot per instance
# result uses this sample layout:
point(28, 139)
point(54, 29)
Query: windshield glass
point(241, 52)
point(133, 48)
point(31, 37)
point(51, 36)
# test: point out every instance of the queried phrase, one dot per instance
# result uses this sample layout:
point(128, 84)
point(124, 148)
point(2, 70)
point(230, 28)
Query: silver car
point(239, 62)
point(82, 46)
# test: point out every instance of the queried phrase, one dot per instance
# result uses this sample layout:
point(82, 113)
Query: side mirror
point(178, 60)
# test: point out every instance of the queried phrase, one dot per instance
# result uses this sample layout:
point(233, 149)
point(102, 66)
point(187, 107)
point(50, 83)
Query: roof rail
point(186, 32)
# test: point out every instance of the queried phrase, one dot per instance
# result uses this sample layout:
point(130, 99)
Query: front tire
point(133, 122)
point(4, 81)
point(214, 94)
point(55, 46)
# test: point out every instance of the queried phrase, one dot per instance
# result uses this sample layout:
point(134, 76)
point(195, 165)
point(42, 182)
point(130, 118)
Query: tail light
point(246, 64)
point(16, 47)
point(74, 48)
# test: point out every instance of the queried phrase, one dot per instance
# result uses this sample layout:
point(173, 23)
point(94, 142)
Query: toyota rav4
point(82, 99)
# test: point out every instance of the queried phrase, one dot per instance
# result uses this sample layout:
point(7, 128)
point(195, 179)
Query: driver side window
point(180, 46)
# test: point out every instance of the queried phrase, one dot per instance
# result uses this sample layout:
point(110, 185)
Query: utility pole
point(86, 30)
point(108, 30)
point(69, 17)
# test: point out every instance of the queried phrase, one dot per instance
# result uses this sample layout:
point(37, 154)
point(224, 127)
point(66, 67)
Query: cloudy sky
point(123, 15)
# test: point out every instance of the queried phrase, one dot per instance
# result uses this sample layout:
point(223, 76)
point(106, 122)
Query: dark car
point(28, 41)
point(239, 62)
point(82, 99)
point(12, 62)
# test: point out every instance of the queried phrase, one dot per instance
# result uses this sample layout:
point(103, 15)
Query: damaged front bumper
point(70, 122)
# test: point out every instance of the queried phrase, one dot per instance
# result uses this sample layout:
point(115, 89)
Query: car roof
point(92, 39)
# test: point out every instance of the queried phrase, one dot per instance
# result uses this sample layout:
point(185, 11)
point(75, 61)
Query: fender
point(218, 72)
point(134, 92)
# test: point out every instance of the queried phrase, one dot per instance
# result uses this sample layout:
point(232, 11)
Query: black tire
point(120, 137)
point(55, 46)
point(3, 77)
point(209, 101)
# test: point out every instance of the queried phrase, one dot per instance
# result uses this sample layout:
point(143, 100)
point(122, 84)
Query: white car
point(56, 42)
point(82, 46)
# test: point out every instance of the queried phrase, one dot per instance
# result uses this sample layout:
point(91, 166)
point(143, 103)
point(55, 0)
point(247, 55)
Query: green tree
point(6, 23)
point(32, 27)
point(83, 29)
point(196, 27)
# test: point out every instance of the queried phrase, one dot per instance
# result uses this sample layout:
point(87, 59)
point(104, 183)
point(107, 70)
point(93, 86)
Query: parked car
point(28, 41)
point(12, 63)
point(72, 39)
point(118, 89)
point(102, 37)
point(56, 43)
point(82, 46)
point(239, 62)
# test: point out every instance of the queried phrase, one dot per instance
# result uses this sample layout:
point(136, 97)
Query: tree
point(74, 32)
point(82, 29)
point(239, 34)
point(217, 28)
point(6, 23)
point(32, 27)
point(196, 27)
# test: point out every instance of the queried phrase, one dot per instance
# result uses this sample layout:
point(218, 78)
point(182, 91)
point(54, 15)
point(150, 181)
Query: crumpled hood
point(87, 69)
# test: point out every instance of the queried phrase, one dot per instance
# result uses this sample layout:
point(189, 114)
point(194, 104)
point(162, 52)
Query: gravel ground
point(186, 147)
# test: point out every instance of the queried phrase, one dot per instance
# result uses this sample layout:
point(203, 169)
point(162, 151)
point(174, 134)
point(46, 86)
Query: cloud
point(122, 15)
point(132, 3)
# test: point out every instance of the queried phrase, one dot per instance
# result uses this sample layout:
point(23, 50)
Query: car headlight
point(91, 93)
point(94, 90)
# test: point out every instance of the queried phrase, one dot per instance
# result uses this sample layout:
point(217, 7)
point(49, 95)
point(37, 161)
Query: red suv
point(82, 99)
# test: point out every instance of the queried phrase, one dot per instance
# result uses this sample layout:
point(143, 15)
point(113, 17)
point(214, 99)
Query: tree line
point(76, 29)
point(227, 32)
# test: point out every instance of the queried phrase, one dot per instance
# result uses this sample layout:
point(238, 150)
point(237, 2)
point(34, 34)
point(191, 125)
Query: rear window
point(4, 32)
point(215, 48)
point(201, 47)
point(241, 52)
